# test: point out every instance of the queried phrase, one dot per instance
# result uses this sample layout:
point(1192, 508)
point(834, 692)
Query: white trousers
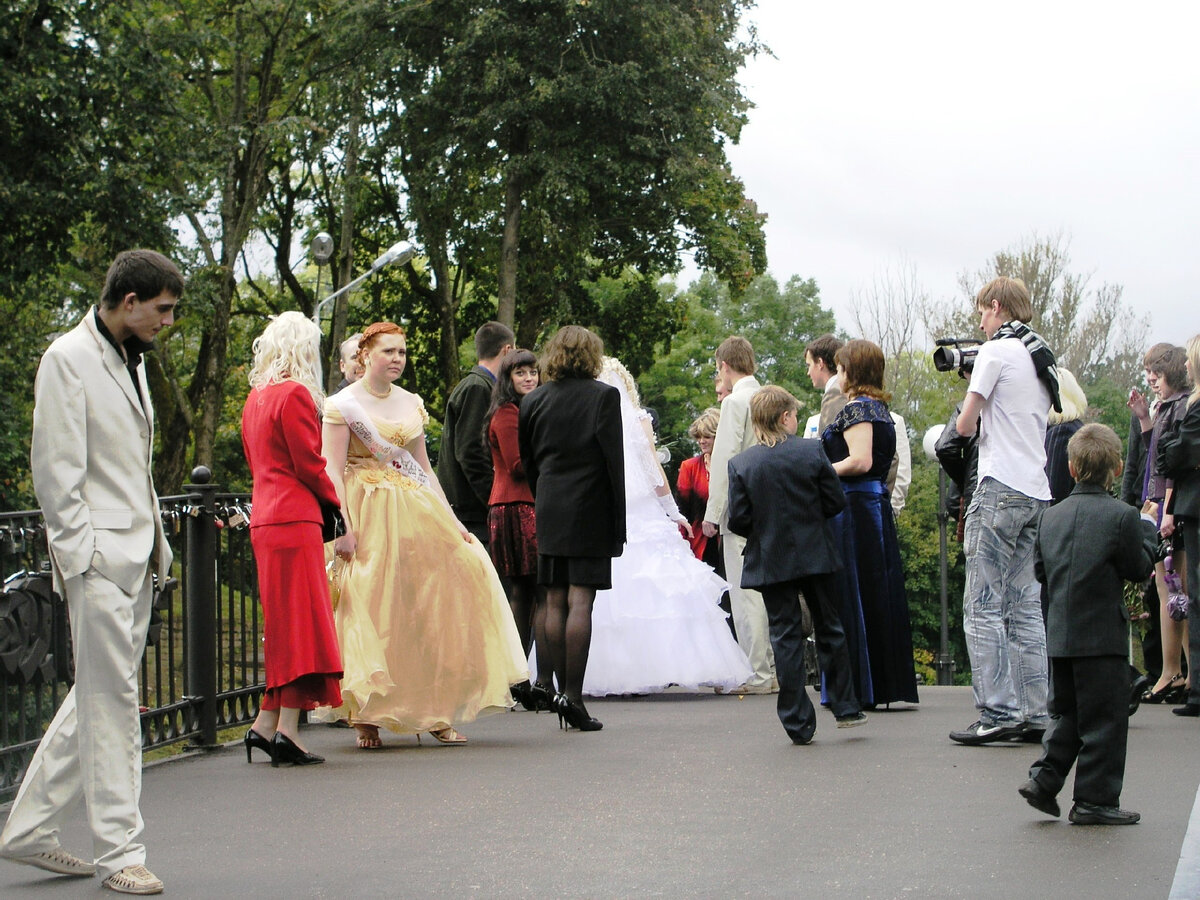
point(749, 613)
point(93, 748)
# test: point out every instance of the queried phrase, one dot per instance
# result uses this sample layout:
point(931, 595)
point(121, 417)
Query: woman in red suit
point(281, 435)
point(511, 530)
point(692, 487)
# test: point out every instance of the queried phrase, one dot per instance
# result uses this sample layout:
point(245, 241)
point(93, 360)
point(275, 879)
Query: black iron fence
point(203, 668)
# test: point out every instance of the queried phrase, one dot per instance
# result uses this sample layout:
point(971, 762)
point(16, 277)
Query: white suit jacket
point(92, 454)
point(734, 434)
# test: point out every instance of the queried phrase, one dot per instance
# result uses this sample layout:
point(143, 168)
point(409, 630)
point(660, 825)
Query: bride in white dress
point(660, 624)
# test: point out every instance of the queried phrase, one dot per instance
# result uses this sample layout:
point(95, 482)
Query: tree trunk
point(337, 328)
point(506, 308)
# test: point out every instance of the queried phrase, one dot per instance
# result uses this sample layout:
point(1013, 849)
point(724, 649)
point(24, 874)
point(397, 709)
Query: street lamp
point(944, 663)
point(322, 252)
point(400, 252)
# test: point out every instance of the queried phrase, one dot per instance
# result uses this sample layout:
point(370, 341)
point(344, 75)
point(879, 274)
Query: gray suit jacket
point(92, 459)
point(1087, 546)
point(734, 434)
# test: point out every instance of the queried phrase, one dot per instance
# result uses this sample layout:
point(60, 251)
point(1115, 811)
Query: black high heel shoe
point(1171, 692)
point(254, 739)
point(542, 697)
point(523, 694)
point(575, 715)
point(285, 750)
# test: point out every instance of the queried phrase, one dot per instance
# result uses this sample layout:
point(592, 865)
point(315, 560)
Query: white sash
point(383, 450)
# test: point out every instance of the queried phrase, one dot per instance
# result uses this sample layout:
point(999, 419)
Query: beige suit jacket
point(734, 434)
point(92, 459)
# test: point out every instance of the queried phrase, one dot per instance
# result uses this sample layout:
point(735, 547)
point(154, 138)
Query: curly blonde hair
point(610, 365)
point(705, 424)
point(289, 349)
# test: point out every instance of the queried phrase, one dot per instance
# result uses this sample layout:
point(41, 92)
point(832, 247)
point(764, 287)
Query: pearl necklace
point(381, 395)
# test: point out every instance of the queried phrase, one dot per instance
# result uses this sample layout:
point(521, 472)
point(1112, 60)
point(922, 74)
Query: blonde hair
point(1074, 401)
point(289, 349)
point(1010, 293)
point(612, 365)
point(705, 424)
point(767, 407)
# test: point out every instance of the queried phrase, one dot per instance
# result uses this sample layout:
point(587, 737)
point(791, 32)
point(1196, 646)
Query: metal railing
point(203, 669)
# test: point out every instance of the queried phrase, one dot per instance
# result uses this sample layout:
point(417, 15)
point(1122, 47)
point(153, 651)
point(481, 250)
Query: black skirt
point(585, 571)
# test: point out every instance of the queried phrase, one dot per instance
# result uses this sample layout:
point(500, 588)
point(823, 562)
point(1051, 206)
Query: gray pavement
point(679, 796)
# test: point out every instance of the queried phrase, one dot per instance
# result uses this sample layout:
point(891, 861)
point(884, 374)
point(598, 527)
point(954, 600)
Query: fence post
point(200, 621)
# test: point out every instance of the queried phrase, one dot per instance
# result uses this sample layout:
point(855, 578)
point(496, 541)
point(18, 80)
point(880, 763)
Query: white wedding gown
point(660, 624)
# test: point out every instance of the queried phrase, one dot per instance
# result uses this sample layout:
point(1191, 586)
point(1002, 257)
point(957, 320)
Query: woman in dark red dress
point(281, 435)
point(511, 530)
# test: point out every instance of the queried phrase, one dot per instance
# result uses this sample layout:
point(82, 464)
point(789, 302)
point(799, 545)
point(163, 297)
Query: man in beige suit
point(735, 368)
point(93, 431)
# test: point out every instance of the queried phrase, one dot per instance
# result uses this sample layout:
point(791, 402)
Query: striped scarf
point(1042, 355)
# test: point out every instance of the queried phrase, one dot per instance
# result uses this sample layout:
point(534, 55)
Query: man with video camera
point(1013, 384)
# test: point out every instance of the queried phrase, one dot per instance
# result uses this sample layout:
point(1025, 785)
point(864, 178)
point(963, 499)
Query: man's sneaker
point(1039, 799)
point(983, 733)
point(58, 861)
point(1089, 814)
point(134, 880)
point(859, 718)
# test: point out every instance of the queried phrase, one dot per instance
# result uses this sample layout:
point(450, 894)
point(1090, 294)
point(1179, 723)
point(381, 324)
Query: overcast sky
point(930, 135)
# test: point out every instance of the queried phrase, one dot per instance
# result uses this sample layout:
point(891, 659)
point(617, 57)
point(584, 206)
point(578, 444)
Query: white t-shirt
point(1012, 431)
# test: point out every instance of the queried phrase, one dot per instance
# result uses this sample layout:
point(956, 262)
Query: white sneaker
point(58, 861)
point(134, 880)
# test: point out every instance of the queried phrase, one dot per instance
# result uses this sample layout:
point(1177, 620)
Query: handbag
point(332, 524)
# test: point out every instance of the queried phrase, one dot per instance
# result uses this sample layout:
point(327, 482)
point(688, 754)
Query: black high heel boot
point(287, 751)
point(254, 739)
point(576, 716)
point(523, 694)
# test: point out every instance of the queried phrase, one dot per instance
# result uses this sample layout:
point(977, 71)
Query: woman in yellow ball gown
point(427, 637)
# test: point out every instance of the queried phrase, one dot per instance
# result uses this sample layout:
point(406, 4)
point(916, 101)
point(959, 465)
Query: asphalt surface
point(680, 795)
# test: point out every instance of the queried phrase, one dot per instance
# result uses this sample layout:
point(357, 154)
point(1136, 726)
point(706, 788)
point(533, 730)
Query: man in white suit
point(93, 431)
point(735, 367)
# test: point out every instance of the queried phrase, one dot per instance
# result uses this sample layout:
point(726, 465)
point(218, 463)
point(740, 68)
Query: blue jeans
point(1002, 607)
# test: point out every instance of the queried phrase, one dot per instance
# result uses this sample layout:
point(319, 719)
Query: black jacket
point(464, 465)
point(780, 501)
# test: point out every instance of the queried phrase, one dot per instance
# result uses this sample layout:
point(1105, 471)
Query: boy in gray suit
point(1086, 546)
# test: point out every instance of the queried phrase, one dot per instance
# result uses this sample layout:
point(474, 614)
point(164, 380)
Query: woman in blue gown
point(860, 443)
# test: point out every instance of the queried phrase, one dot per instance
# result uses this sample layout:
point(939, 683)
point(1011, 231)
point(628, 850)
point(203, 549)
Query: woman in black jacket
point(570, 439)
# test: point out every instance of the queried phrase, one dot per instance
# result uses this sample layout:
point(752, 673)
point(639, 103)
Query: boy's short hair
point(1010, 293)
point(767, 406)
point(1095, 454)
point(1151, 356)
point(491, 338)
point(737, 353)
point(823, 349)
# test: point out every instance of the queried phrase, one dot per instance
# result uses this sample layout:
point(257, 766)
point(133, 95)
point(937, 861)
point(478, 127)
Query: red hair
point(371, 335)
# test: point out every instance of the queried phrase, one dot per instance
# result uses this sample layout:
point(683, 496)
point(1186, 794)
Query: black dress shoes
point(1140, 685)
point(1039, 799)
point(286, 751)
point(1190, 710)
point(1089, 814)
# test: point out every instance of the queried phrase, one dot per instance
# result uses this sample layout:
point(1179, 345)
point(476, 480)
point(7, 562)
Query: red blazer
point(281, 436)
point(508, 483)
point(692, 487)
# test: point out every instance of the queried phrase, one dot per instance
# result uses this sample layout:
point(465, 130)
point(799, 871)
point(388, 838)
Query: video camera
point(956, 353)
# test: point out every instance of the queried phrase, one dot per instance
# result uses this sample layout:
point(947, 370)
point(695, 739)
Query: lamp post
point(944, 663)
point(400, 252)
point(322, 251)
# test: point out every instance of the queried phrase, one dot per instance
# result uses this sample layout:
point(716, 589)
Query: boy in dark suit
point(1086, 546)
point(782, 493)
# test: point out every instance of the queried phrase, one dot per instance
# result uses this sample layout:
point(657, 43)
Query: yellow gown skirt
point(426, 633)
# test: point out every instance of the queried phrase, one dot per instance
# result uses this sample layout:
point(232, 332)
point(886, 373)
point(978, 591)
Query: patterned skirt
point(513, 539)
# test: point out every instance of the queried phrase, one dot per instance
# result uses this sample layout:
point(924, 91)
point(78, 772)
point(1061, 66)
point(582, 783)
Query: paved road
point(679, 796)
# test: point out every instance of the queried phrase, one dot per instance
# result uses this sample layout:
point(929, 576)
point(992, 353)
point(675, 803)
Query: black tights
point(528, 604)
point(569, 634)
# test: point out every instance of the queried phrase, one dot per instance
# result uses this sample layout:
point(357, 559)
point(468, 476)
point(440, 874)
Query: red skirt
point(299, 638)
point(512, 539)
